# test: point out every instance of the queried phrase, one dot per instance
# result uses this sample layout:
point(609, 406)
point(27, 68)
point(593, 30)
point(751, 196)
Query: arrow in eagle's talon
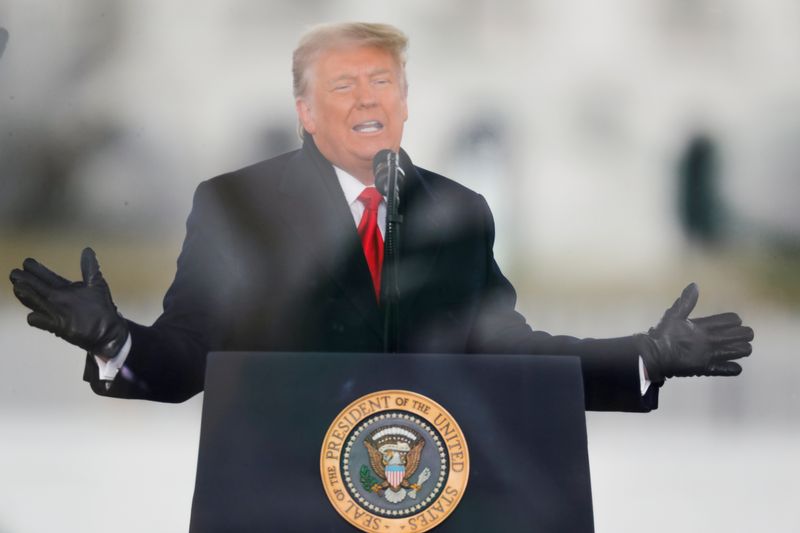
point(421, 479)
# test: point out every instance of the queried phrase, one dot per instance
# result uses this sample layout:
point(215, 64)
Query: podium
point(266, 415)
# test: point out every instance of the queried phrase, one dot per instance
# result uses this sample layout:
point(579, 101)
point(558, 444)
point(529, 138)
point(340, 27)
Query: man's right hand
point(80, 312)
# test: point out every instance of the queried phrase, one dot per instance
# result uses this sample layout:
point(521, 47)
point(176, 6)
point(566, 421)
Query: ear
point(305, 115)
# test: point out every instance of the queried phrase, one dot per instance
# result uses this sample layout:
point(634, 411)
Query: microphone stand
point(390, 296)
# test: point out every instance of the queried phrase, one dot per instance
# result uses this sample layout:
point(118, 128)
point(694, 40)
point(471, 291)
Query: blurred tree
point(698, 197)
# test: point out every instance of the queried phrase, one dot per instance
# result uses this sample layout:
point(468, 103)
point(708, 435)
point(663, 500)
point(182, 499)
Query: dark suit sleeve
point(610, 366)
point(167, 360)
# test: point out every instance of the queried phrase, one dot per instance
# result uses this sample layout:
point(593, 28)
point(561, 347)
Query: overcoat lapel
point(316, 210)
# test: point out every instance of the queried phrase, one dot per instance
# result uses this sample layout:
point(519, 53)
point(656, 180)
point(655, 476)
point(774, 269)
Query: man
point(285, 255)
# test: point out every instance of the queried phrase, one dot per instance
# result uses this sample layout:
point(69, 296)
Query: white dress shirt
point(352, 188)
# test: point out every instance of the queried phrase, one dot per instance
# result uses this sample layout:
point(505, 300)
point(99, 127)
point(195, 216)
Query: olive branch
point(366, 478)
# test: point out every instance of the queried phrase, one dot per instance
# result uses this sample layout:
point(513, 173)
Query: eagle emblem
point(394, 456)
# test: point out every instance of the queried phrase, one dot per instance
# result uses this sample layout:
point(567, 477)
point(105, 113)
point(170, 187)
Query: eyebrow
point(349, 77)
point(343, 77)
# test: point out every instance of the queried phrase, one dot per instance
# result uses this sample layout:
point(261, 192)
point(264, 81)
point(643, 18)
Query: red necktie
point(371, 238)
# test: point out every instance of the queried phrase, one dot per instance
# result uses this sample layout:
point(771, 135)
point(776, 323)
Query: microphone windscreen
point(381, 165)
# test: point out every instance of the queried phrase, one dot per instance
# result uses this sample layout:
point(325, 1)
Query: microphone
point(385, 164)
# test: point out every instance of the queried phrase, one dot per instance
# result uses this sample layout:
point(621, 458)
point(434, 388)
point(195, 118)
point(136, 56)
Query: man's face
point(354, 106)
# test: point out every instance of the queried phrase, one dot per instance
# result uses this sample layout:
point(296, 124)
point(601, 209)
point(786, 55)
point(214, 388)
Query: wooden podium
point(265, 418)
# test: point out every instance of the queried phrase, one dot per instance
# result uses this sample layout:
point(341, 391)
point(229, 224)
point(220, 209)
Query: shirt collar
point(351, 187)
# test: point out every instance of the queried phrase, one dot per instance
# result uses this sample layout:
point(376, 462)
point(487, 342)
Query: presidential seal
point(394, 461)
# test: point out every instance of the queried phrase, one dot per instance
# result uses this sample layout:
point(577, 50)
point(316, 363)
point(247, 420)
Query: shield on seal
point(395, 474)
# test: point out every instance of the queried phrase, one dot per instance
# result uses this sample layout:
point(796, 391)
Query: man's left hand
point(707, 346)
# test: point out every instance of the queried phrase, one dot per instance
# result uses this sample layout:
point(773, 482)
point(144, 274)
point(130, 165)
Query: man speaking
point(287, 255)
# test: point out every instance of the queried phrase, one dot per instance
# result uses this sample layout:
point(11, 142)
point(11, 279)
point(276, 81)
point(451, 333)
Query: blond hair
point(326, 36)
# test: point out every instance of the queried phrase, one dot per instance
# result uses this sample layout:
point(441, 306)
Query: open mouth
point(370, 126)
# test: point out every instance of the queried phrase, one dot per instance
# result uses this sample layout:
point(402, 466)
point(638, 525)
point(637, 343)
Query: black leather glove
point(679, 346)
point(80, 312)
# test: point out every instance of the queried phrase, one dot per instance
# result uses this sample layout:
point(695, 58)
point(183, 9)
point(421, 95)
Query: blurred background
point(626, 147)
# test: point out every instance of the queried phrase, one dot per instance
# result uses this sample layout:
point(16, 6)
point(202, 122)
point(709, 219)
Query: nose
point(365, 95)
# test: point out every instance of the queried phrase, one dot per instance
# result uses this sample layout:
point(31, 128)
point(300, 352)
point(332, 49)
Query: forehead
point(353, 60)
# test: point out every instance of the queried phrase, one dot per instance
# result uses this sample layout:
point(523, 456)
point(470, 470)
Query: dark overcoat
point(272, 262)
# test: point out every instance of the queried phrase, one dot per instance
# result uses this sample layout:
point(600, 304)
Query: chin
point(368, 152)
point(373, 146)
